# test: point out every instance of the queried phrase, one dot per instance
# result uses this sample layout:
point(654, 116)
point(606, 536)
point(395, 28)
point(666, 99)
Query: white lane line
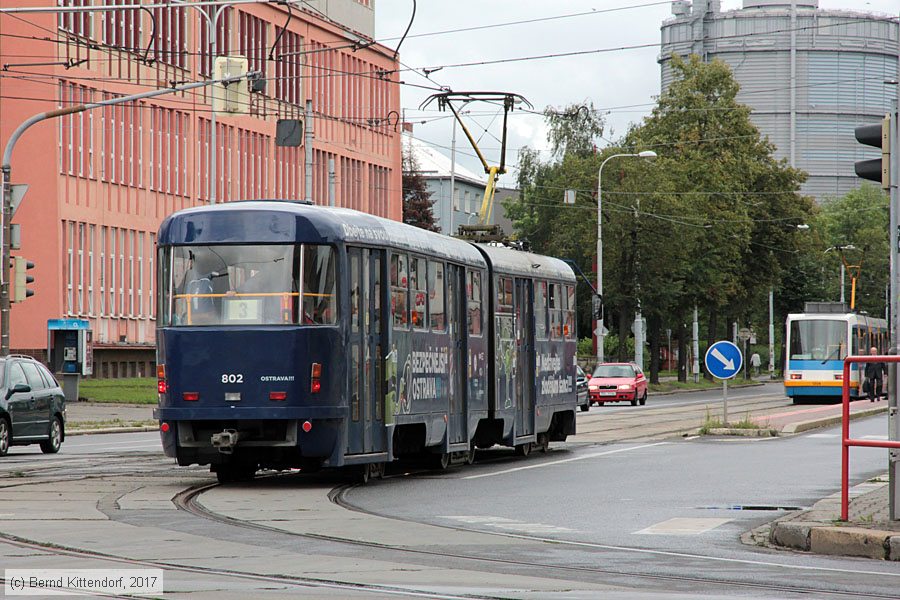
point(510, 524)
point(683, 526)
point(874, 437)
point(741, 561)
point(565, 460)
point(822, 435)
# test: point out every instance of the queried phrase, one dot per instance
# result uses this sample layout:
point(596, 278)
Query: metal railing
point(846, 440)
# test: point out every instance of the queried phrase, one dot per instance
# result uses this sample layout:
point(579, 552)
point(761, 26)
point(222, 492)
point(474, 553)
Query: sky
point(622, 82)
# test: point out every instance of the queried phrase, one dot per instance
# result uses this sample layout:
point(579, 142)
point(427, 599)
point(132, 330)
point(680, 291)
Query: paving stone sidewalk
point(868, 533)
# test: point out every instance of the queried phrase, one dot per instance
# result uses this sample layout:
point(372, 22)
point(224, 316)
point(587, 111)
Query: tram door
point(367, 388)
point(524, 324)
point(456, 323)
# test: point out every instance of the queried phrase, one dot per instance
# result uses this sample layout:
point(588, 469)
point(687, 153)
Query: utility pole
point(696, 347)
point(771, 334)
point(309, 150)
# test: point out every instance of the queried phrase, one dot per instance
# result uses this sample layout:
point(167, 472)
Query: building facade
point(811, 76)
point(102, 180)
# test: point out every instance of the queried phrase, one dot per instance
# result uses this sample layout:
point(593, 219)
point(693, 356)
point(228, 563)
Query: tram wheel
point(470, 457)
point(543, 443)
point(523, 449)
point(440, 461)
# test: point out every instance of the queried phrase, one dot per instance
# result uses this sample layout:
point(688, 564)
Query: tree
point(417, 200)
point(712, 223)
point(858, 219)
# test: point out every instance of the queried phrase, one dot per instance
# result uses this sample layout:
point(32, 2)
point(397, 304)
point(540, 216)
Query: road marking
point(683, 526)
point(874, 437)
point(509, 524)
point(563, 461)
point(823, 435)
point(107, 443)
point(740, 561)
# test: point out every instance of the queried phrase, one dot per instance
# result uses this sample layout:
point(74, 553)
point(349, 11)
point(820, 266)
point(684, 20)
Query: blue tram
point(292, 335)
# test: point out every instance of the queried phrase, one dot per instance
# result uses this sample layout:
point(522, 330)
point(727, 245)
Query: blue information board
point(724, 360)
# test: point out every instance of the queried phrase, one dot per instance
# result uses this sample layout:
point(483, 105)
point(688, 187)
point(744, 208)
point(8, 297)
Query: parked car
point(581, 387)
point(618, 382)
point(32, 405)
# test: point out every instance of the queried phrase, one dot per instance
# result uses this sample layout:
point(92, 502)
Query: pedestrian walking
point(755, 362)
point(874, 375)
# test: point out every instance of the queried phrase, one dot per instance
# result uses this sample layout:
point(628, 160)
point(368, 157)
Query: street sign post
point(723, 361)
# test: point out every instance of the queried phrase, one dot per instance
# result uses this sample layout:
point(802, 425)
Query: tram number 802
point(232, 378)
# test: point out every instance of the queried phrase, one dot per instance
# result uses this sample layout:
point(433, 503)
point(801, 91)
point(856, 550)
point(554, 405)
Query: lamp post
point(599, 331)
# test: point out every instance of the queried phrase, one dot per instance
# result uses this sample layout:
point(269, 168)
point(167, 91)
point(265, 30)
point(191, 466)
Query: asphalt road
point(650, 516)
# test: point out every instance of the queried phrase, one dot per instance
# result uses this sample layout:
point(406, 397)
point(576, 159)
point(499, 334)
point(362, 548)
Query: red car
point(618, 382)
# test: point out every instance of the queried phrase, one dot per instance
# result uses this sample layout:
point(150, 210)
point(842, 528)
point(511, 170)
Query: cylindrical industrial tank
point(811, 76)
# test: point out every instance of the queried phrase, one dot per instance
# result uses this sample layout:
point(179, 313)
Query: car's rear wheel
point(54, 441)
point(5, 434)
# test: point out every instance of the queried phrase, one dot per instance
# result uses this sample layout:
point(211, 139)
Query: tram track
point(188, 501)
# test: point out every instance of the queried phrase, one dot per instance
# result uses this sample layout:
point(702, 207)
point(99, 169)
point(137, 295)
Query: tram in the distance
point(817, 342)
point(292, 335)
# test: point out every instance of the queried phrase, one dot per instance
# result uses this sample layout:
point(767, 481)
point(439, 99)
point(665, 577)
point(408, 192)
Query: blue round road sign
point(724, 360)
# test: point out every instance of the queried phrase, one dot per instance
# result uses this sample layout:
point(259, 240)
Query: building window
point(254, 42)
point(289, 68)
point(223, 40)
point(122, 28)
point(76, 23)
point(171, 36)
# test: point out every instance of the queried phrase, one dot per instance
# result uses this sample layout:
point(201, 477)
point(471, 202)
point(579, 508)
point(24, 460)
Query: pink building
point(101, 181)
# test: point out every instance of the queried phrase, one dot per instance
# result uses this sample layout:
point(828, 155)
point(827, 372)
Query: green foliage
point(860, 219)
point(712, 222)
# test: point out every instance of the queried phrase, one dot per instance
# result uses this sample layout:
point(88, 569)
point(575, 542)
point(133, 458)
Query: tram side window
point(354, 290)
point(473, 297)
point(399, 290)
point(504, 298)
point(569, 328)
point(417, 283)
point(319, 287)
point(540, 310)
point(555, 310)
point(436, 296)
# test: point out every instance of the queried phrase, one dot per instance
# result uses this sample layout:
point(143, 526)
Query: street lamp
point(600, 331)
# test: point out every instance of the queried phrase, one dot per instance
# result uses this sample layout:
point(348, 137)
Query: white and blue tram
point(292, 335)
point(817, 342)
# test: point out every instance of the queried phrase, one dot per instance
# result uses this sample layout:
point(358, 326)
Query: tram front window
point(248, 285)
point(818, 339)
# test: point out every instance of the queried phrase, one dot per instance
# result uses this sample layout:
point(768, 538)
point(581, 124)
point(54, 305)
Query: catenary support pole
point(308, 171)
point(893, 421)
point(771, 333)
point(696, 347)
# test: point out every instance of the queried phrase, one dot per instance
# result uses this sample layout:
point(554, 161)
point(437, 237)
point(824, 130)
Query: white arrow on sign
point(729, 363)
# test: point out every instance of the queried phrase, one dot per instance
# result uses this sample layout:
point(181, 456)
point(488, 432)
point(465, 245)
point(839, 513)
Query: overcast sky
point(623, 82)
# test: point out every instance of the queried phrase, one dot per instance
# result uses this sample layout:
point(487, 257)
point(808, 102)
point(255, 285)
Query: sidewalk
point(103, 417)
point(868, 533)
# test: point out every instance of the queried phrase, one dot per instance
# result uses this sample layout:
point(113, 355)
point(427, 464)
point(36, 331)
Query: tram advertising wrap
point(300, 336)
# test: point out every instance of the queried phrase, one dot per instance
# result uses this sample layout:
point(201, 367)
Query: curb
point(753, 432)
point(110, 430)
point(836, 541)
point(802, 426)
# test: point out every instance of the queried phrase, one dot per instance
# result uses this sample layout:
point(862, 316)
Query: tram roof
point(516, 262)
point(288, 222)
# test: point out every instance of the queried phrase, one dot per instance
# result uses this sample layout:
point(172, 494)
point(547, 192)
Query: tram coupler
point(226, 441)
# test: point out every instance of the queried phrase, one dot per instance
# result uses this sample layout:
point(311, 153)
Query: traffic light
point(22, 280)
point(879, 136)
